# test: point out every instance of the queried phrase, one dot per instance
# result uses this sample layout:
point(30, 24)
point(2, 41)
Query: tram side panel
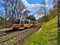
point(26, 24)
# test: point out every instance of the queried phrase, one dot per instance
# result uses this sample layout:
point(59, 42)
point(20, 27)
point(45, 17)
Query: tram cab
point(21, 24)
point(17, 24)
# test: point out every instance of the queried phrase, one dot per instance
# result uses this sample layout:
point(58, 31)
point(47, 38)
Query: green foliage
point(41, 20)
point(31, 17)
point(53, 13)
point(5, 23)
point(47, 36)
point(1, 20)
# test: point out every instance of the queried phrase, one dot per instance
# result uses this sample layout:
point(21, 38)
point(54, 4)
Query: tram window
point(34, 22)
point(26, 22)
point(16, 22)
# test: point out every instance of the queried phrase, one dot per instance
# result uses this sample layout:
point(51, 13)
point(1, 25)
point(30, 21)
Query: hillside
point(47, 36)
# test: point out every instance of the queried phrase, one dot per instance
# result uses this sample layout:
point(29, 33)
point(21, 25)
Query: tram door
point(22, 24)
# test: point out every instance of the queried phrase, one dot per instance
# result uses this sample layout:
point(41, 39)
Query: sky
point(34, 5)
point(35, 1)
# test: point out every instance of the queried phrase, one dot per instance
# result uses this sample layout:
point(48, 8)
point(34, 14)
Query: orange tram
point(22, 24)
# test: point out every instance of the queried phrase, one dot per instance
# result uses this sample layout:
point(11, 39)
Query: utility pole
point(59, 14)
point(58, 22)
point(45, 10)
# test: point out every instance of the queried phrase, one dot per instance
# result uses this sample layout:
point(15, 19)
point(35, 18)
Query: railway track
point(21, 41)
point(4, 33)
point(14, 37)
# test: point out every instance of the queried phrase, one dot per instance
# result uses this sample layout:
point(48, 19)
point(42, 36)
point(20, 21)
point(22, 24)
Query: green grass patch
point(47, 36)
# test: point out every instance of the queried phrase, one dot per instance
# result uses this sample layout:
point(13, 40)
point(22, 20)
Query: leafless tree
point(26, 13)
point(12, 8)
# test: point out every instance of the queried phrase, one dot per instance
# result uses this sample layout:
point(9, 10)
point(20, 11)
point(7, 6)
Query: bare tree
point(26, 13)
point(12, 8)
point(41, 10)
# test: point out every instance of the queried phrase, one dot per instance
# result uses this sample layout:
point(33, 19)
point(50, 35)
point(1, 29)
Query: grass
point(47, 36)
